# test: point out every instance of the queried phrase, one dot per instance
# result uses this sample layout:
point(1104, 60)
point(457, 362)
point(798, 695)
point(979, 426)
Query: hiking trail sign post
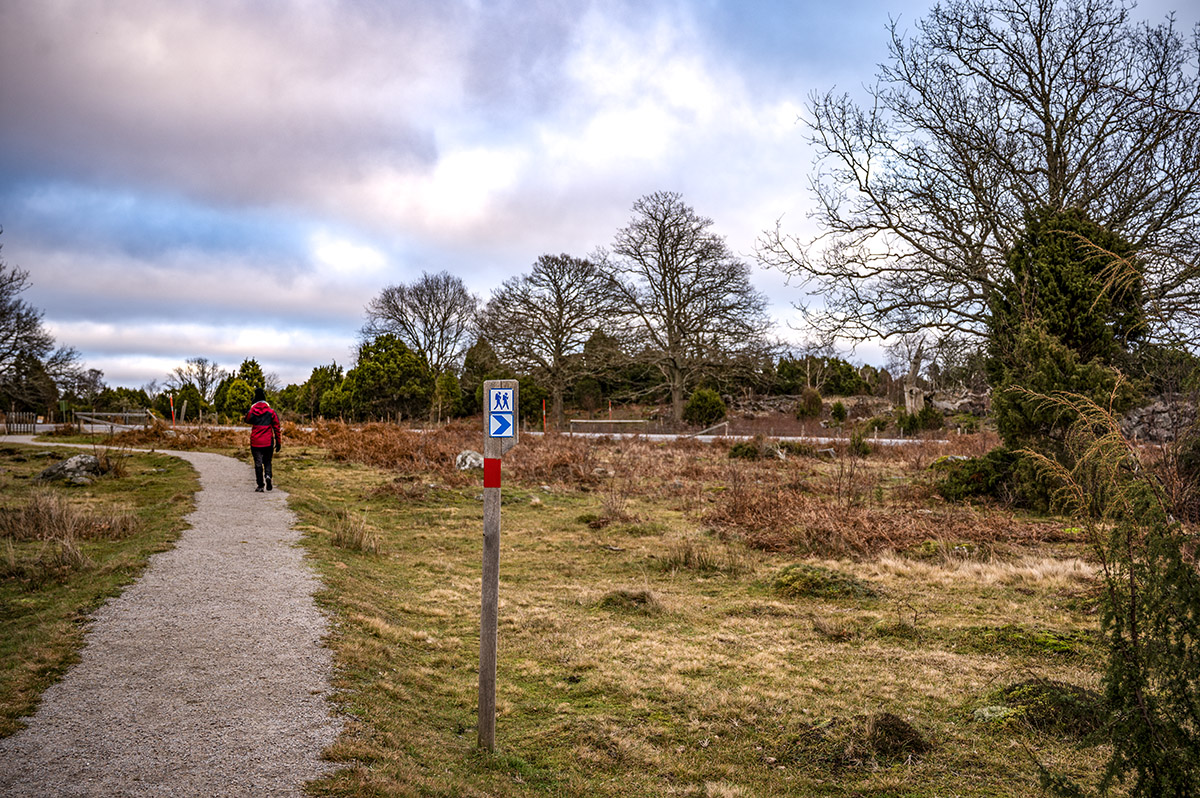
point(501, 430)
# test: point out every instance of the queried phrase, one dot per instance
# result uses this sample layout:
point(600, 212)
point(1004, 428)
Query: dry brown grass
point(844, 506)
point(351, 532)
point(47, 516)
point(160, 435)
point(53, 560)
point(399, 449)
point(659, 660)
point(776, 518)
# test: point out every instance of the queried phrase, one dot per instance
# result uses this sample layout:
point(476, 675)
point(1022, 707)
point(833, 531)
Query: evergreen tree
point(252, 374)
point(389, 378)
point(1064, 319)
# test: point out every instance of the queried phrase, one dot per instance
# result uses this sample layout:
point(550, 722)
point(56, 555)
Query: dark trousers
point(262, 462)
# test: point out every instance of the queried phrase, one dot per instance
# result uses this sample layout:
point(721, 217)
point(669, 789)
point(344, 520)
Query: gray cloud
point(257, 103)
point(237, 178)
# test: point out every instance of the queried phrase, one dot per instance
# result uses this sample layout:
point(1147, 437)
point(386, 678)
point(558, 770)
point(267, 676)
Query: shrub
point(1055, 707)
point(988, 476)
point(876, 424)
point(810, 404)
point(704, 408)
point(930, 418)
point(757, 449)
point(1148, 605)
point(964, 421)
point(646, 601)
point(907, 423)
point(798, 449)
point(838, 412)
point(864, 741)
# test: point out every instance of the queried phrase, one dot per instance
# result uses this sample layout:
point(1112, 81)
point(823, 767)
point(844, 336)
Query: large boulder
point(82, 469)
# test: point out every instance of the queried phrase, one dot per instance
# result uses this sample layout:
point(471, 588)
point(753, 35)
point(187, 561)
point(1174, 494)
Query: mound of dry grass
point(47, 516)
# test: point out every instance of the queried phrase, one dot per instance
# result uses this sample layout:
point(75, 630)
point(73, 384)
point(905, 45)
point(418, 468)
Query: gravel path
point(206, 677)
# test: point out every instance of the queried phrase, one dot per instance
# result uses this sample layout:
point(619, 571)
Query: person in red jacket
point(264, 435)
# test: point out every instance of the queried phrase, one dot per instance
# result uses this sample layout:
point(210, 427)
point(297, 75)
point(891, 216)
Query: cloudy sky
point(237, 179)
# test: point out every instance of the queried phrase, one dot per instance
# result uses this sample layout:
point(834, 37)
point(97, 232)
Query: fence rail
point(132, 419)
point(601, 422)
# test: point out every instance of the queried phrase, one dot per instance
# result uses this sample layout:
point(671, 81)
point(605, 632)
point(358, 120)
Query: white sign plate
point(500, 413)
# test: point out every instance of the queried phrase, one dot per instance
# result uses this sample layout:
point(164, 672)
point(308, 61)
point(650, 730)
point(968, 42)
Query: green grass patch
point(1016, 640)
point(1049, 707)
point(65, 550)
point(802, 580)
point(661, 661)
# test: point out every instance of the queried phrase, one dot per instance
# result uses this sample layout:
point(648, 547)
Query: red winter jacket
point(264, 430)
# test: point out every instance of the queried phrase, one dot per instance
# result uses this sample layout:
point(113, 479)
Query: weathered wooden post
point(500, 426)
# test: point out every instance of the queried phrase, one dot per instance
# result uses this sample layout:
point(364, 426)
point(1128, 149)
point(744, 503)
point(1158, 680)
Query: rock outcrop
point(1166, 418)
point(82, 469)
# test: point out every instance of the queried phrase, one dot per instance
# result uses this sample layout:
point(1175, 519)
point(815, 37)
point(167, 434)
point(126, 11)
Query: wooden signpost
point(500, 428)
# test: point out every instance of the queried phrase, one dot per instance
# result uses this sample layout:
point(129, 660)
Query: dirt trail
point(206, 677)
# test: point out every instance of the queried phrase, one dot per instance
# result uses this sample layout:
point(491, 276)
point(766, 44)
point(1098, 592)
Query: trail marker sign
point(501, 428)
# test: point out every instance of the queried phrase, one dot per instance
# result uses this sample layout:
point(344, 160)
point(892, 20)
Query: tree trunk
point(556, 399)
point(677, 398)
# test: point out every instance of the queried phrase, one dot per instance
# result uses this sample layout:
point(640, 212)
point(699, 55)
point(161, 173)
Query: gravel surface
point(206, 677)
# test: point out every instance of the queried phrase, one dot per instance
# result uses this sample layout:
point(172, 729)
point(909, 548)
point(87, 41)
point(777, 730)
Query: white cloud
point(340, 259)
point(135, 354)
point(377, 131)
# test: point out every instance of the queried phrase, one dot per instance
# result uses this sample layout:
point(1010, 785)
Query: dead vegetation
point(677, 621)
point(47, 516)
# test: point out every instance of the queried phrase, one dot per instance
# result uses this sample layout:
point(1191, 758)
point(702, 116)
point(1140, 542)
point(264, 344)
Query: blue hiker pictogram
point(502, 421)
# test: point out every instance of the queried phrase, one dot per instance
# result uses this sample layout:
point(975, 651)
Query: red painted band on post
point(491, 472)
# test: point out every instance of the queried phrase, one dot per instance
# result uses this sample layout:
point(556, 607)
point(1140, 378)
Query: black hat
point(260, 395)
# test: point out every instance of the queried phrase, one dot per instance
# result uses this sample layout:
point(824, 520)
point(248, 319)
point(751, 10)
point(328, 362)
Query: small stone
point(993, 714)
point(468, 459)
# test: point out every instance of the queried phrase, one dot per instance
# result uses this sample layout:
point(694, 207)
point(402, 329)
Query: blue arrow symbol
point(501, 425)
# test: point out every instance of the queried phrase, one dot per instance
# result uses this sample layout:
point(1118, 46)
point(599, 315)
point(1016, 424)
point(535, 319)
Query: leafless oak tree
point(30, 366)
point(21, 329)
point(990, 109)
point(685, 294)
point(433, 316)
point(201, 372)
point(539, 322)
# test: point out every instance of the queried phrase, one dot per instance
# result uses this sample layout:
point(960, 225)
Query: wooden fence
point(23, 423)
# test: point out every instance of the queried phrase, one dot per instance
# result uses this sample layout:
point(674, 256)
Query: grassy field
point(677, 622)
point(64, 550)
point(673, 620)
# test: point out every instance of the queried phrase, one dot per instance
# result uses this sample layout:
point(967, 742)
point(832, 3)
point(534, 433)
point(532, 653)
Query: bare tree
point(21, 329)
point(433, 316)
point(990, 110)
point(814, 355)
point(686, 295)
point(31, 369)
point(201, 372)
point(540, 321)
point(88, 386)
